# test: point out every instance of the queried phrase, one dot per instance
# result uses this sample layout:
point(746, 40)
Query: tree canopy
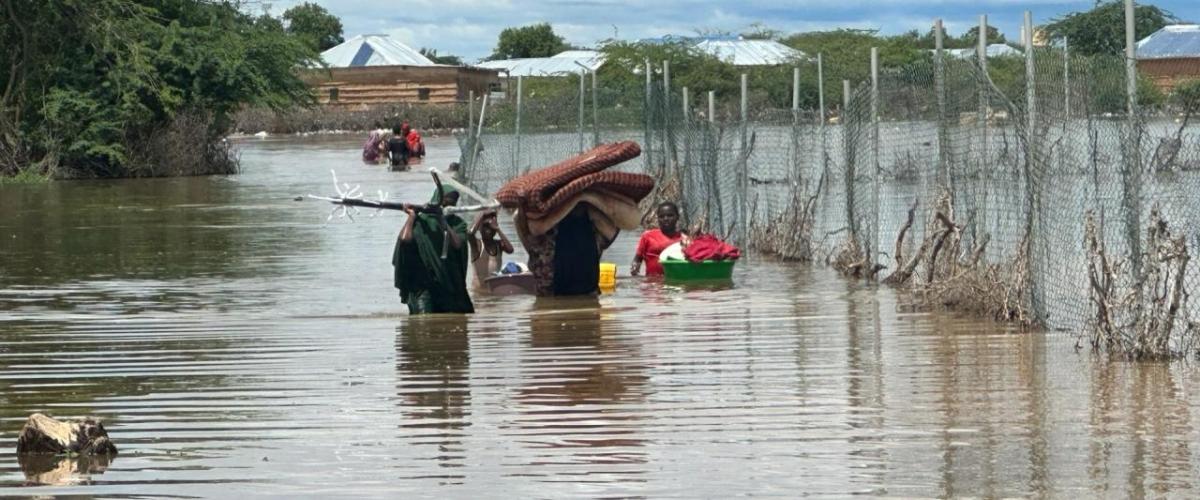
point(1101, 30)
point(536, 40)
point(314, 25)
point(432, 54)
point(131, 69)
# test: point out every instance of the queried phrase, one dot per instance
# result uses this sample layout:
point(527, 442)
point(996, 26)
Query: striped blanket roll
point(537, 191)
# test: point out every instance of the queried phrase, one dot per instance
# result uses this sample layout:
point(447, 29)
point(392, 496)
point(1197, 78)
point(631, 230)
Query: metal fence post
point(669, 156)
point(582, 96)
point(795, 156)
point(983, 96)
point(1066, 80)
point(1032, 174)
point(478, 134)
point(876, 174)
point(470, 112)
point(595, 113)
point(517, 150)
point(821, 109)
point(744, 168)
point(686, 107)
point(848, 156)
point(712, 107)
point(795, 91)
point(984, 172)
point(687, 156)
point(939, 85)
point(647, 112)
point(1133, 166)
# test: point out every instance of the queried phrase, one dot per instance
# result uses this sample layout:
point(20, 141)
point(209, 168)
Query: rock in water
point(44, 434)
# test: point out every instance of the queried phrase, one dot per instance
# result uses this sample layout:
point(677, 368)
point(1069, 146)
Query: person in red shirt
point(654, 241)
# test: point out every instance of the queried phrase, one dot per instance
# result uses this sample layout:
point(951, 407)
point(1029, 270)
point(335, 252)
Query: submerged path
point(237, 344)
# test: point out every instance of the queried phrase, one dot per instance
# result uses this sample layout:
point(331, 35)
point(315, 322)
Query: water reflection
point(1139, 415)
point(432, 369)
point(61, 470)
point(580, 378)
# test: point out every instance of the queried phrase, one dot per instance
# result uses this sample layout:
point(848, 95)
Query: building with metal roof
point(1171, 55)
point(735, 49)
point(373, 50)
point(1171, 42)
point(569, 62)
point(741, 52)
point(376, 69)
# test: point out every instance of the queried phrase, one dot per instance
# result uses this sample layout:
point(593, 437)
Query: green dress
point(427, 282)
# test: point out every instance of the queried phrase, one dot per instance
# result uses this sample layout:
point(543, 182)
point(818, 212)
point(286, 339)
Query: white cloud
point(469, 28)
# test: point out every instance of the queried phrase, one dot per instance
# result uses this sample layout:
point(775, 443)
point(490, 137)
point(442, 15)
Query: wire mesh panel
point(942, 176)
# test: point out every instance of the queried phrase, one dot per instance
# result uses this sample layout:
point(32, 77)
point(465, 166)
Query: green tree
point(971, 37)
point(949, 41)
point(448, 59)
point(760, 31)
point(1102, 29)
point(847, 55)
point(315, 25)
point(1186, 97)
point(536, 40)
point(132, 70)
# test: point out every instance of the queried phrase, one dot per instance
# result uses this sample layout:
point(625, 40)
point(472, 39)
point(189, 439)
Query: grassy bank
point(424, 117)
point(26, 176)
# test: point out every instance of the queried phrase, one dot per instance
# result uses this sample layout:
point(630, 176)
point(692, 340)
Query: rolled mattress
point(542, 191)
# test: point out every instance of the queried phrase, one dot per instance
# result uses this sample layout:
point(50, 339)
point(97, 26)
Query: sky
point(469, 28)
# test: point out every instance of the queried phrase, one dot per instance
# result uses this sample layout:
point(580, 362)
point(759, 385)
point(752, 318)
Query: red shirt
point(651, 245)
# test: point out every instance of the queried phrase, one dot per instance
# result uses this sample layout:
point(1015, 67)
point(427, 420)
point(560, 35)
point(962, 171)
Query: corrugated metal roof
point(690, 40)
point(563, 63)
point(1176, 41)
point(993, 50)
point(750, 52)
point(373, 50)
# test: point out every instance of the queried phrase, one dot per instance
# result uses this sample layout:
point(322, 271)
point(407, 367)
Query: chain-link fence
point(1019, 187)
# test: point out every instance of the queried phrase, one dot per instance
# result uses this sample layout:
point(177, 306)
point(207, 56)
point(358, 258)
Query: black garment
point(576, 256)
point(398, 151)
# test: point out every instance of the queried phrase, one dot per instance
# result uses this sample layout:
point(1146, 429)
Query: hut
point(1170, 56)
point(377, 69)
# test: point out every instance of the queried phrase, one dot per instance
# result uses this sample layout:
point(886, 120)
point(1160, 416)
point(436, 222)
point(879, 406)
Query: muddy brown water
point(236, 343)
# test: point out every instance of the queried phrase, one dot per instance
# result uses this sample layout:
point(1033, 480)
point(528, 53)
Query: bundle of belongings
point(699, 248)
point(560, 208)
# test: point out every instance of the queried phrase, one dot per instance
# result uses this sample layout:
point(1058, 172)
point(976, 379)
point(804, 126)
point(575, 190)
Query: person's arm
point(455, 241)
point(475, 245)
point(638, 257)
point(406, 234)
point(505, 245)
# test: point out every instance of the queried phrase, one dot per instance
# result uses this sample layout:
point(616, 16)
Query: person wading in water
point(431, 260)
point(654, 241)
point(397, 147)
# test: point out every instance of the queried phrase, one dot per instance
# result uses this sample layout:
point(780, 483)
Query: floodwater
point(237, 343)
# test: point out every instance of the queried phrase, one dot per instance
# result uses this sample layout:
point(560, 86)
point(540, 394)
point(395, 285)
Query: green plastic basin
point(709, 270)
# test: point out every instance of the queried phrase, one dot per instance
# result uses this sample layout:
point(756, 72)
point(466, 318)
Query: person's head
point(396, 130)
point(668, 217)
point(486, 231)
point(449, 197)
